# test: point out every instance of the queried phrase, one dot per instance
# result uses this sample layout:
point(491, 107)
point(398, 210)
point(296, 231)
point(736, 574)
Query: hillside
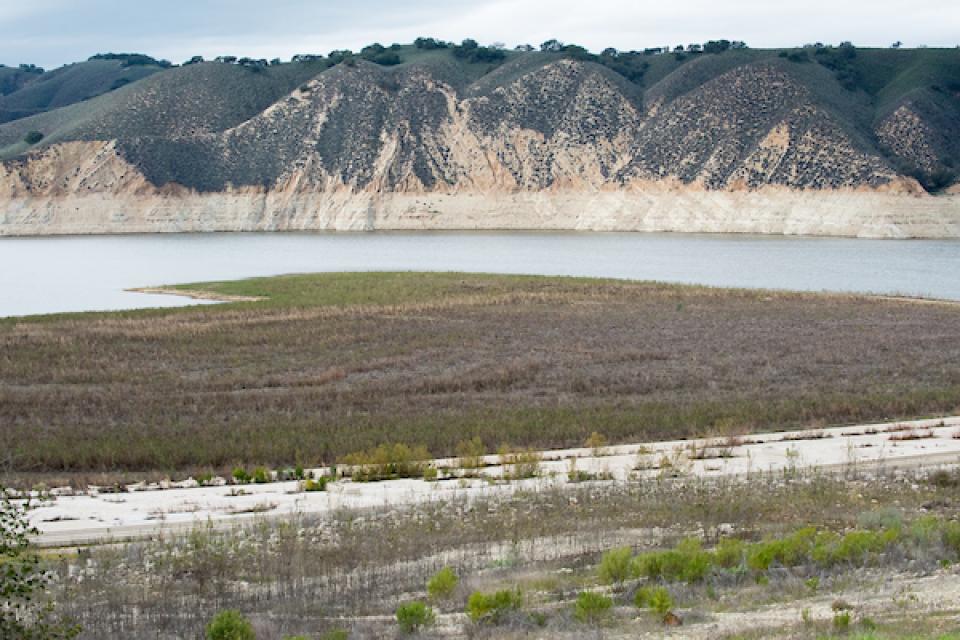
point(31, 91)
point(818, 140)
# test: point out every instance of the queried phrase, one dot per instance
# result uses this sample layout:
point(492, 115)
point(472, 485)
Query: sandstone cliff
point(749, 144)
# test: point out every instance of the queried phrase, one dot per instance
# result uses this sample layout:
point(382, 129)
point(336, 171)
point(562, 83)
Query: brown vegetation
point(435, 360)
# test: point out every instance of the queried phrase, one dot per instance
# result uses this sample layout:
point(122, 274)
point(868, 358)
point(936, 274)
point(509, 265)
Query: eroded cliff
point(545, 143)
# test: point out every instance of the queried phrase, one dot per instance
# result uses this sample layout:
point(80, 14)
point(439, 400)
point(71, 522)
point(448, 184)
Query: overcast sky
point(54, 32)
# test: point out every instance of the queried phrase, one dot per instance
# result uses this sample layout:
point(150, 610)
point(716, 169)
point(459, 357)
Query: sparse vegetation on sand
point(330, 365)
point(768, 555)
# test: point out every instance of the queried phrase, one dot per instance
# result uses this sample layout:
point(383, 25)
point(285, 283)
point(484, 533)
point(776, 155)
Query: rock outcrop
point(561, 144)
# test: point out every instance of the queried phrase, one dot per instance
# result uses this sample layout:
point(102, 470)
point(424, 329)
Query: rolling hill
point(834, 140)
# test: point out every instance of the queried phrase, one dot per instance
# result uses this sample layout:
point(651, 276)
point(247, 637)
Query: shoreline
point(773, 211)
point(474, 230)
point(194, 294)
point(212, 296)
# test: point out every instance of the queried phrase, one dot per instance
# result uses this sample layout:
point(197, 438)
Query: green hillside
point(901, 106)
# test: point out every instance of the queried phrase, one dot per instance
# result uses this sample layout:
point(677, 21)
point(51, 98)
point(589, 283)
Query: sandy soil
point(144, 510)
point(195, 294)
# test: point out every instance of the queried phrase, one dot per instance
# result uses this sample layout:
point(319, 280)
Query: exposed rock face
point(564, 145)
point(909, 137)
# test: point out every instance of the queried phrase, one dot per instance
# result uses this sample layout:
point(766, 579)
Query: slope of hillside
point(811, 141)
point(40, 92)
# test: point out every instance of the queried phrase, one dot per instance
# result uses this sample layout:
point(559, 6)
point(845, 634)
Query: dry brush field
point(334, 363)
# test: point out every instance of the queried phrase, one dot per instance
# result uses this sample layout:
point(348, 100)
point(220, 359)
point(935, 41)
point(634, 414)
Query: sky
point(55, 32)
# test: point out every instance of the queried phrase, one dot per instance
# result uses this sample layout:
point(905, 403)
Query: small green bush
point(470, 453)
point(729, 553)
point(318, 484)
point(230, 625)
point(925, 530)
point(387, 462)
point(841, 621)
point(261, 475)
point(687, 562)
point(596, 442)
point(950, 535)
point(443, 583)
point(660, 601)
point(656, 598)
point(615, 565)
point(886, 518)
point(519, 464)
point(414, 616)
point(591, 608)
point(786, 552)
point(641, 599)
point(240, 476)
point(493, 607)
point(855, 546)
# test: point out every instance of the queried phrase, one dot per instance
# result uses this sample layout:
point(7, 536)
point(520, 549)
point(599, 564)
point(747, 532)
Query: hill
point(31, 91)
point(456, 136)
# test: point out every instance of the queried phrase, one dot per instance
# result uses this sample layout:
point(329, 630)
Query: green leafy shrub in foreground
point(230, 625)
point(729, 553)
point(442, 584)
point(414, 616)
point(591, 608)
point(786, 552)
point(615, 566)
point(493, 607)
point(658, 599)
point(687, 562)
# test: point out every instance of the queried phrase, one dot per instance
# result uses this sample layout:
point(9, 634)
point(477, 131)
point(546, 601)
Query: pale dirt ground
point(652, 208)
point(148, 509)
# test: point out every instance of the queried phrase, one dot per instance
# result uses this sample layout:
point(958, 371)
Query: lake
point(86, 273)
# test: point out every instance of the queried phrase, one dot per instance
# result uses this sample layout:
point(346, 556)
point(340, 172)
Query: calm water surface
point(44, 275)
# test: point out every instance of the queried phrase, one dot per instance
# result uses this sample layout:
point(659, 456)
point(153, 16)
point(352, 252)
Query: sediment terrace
point(774, 210)
point(103, 514)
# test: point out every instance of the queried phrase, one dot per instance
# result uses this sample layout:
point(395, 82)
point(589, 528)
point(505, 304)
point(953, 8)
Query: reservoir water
point(87, 273)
